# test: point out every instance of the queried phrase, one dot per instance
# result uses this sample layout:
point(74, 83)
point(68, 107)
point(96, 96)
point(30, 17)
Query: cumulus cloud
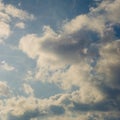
point(7, 14)
point(17, 13)
point(4, 30)
point(83, 54)
point(108, 64)
point(60, 106)
point(4, 89)
point(109, 9)
point(29, 75)
point(54, 51)
point(75, 44)
point(4, 17)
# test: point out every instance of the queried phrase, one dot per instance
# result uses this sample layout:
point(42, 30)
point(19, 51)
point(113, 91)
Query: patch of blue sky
point(52, 12)
point(117, 31)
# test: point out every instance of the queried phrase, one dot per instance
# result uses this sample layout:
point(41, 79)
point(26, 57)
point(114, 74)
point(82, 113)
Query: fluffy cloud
point(83, 21)
point(30, 39)
point(4, 30)
point(4, 89)
point(75, 42)
point(81, 54)
point(4, 17)
point(15, 12)
point(60, 106)
point(7, 14)
point(109, 65)
point(109, 10)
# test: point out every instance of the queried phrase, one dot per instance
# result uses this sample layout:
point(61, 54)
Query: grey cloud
point(26, 116)
point(57, 110)
point(72, 46)
point(93, 41)
point(78, 40)
point(110, 103)
point(60, 105)
point(108, 64)
point(103, 106)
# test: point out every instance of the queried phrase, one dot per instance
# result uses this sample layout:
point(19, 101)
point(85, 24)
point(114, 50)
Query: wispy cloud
point(28, 89)
point(6, 66)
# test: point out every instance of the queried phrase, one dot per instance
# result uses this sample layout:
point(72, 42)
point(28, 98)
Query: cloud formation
point(109, 65)
point(82, 57)
point(28, 89)
point(4, 89)
point(75, 44)
point(20, 25)
point(7, 13)
point(6, 66)
point(60, 106)
point(83, 54)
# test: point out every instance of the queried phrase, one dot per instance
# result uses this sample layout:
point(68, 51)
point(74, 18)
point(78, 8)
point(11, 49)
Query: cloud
point(6, 66)
point(83, 22)
point(83, 53)
point(4, 17)
point(29, 75)
point(17, 13)
point(28, 89)
point(4, 89)
point(54, 51)
point(27, 116)
point(7, 14)
point(30, 39)
point(57, 107)
point(57, 110)
point(75, 44)
point(109, 10)
point(109, 65)
point(4, 30)
point(20, 25)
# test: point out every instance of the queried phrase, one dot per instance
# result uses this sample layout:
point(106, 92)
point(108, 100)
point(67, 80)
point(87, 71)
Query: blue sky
point(59, 60)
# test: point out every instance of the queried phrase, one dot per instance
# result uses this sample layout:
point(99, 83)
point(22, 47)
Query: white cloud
point(7, 14)
point(54, 50)
point(109, 63)
point(30, 39)
point(59, 107)
point(88, 94)
point(20, 25)
point(6, 66)
point(4, 30)
point(4, 89)
point(65, 58)
point(28, 89)
point(18, 106)
point(4, 17)
point(29, 75)
point(109, 9)
point(17, 13)
point(73, 57)
point(84, 22)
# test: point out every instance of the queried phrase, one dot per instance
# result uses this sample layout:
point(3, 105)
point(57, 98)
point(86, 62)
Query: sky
point(59, 60)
